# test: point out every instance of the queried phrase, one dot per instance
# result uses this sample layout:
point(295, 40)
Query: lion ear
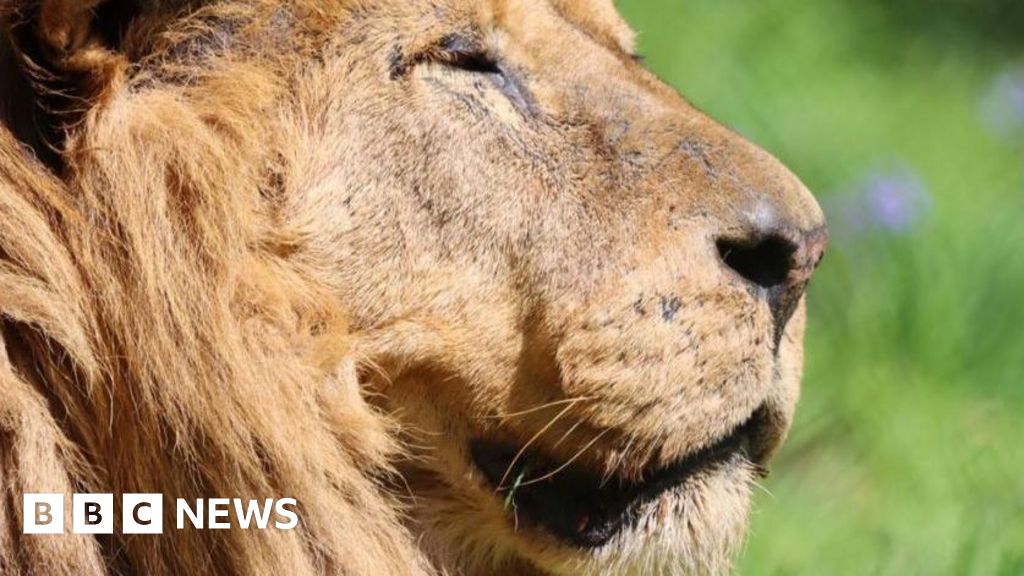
point(67, 54)
point(70, 41)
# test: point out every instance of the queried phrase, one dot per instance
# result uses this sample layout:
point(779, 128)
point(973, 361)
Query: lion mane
point(156, 337)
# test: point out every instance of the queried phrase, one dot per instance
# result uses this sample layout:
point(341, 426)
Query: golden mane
point(157, 339)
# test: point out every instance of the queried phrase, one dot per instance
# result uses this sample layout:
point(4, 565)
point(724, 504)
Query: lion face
point(579, 296)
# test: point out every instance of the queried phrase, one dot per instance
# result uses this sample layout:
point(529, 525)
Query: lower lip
point(578, 508)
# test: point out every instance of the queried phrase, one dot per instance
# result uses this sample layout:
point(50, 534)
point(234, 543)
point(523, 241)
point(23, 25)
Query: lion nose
point(776, 261)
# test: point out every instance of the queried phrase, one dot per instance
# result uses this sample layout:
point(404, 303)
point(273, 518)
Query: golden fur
point(256, 248)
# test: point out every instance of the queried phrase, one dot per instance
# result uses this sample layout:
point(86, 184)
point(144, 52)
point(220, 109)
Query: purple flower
point(895, 200)
point(891, 200)
point(1002, 107)
point(1015, 96)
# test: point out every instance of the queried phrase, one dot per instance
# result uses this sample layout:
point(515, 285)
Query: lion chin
point(461, 277)
point(688, 517)
point(692, 529)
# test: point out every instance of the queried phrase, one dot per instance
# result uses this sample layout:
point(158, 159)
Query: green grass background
point(907, 454)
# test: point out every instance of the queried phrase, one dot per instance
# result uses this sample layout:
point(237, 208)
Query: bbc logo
point(92, 513)
point(143, 513)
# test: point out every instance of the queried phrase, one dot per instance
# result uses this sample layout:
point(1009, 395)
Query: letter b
point(42, 513)
point(92, 513)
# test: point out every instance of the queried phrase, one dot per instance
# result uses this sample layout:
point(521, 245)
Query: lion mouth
point(585, 508)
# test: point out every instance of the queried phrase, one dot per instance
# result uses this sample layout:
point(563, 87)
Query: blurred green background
point(907, 120)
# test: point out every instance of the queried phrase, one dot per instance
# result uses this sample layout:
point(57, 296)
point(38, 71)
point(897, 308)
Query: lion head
point(573, 302)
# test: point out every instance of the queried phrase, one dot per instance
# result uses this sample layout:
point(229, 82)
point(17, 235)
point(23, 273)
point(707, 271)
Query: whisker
point(567, 433)
point(512, 464)
point(758, 484)
point(762, 488)
point(568, 462)
point(540, 407)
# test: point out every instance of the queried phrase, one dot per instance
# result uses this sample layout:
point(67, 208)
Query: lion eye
point(458, 52)
point(461, 53)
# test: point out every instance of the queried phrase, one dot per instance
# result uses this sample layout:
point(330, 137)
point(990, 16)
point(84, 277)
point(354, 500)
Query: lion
point(462, 277)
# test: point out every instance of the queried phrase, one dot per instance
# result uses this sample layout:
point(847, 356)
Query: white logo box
point(93, 513)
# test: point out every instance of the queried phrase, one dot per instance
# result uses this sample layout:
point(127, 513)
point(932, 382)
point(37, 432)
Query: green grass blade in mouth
point(520, 477)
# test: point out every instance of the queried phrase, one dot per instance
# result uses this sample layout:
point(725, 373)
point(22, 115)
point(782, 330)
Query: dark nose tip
point(777, 263)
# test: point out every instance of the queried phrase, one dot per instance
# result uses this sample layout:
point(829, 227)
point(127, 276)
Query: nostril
point(765, 262)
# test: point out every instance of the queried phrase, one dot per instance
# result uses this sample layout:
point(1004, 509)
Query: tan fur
point(268, 248)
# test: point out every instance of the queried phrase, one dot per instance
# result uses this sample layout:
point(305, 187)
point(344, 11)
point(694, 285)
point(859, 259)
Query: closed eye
point(463, 54)
point(458, 52)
